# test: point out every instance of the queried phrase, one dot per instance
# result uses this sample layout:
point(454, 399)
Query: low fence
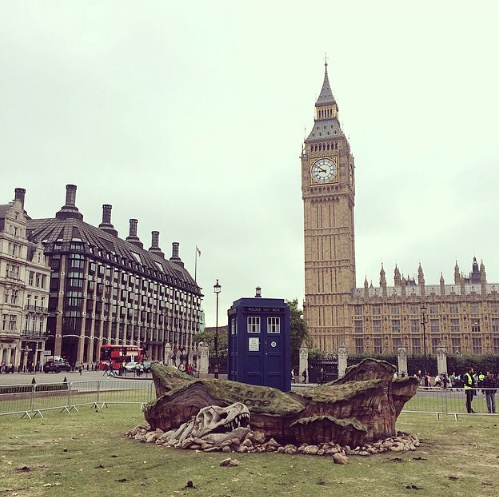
point(440, 401)
point(31, 400)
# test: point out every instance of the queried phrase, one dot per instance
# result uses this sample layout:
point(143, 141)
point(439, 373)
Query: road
point(27, 378)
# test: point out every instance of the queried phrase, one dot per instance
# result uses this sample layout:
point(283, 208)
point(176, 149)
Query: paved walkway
point(27, 378)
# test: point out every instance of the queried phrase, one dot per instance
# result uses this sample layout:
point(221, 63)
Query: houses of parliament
point(462, 317)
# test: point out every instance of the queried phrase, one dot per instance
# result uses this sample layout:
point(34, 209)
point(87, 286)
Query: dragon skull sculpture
point(212, 420)
point(359, 408)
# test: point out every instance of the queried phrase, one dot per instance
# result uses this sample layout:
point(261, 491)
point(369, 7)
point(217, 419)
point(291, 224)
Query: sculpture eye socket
point(223, 415)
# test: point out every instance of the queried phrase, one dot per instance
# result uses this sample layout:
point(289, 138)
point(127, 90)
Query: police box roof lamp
point(258, 292)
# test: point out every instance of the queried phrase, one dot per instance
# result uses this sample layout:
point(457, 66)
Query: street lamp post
point(217, 288)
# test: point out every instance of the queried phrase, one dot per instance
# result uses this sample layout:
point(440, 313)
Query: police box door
point(265, 353)
point(273, 344)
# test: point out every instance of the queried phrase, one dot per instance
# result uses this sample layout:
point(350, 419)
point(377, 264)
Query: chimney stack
point(19, 194)
point(175, 258)
point(155, 244)
point(132, 236)
point(69, 210)
point(106, 224)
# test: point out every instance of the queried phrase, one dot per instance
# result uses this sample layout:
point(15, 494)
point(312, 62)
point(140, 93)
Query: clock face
point(324, 170)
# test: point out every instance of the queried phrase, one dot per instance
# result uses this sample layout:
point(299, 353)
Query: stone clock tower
point(328, 191)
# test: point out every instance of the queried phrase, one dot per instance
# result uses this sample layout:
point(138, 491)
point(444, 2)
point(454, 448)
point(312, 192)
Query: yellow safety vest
point(468, 381)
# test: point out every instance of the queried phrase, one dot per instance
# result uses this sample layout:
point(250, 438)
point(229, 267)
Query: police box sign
point(272, 310)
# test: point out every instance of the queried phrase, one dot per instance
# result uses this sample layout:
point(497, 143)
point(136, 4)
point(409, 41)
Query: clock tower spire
point(328, 203)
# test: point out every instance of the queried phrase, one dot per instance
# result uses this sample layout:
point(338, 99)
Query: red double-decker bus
point(118, 354)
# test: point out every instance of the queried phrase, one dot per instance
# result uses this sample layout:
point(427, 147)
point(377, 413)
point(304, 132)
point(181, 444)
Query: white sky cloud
point(190, 117)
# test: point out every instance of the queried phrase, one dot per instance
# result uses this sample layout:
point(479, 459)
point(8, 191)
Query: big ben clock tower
point(328, 192)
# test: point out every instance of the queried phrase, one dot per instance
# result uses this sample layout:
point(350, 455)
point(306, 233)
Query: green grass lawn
point(86, 453)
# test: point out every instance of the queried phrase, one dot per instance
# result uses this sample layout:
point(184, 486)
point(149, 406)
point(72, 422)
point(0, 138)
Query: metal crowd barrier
point(449, 401)
point(32, 399)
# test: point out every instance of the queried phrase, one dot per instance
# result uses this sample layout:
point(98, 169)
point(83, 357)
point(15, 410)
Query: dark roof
point(3, 212)
point(325, 128)
point(56, 234)
point(326, 95)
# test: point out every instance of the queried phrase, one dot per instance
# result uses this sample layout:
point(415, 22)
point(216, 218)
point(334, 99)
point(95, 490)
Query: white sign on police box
point(254, 344)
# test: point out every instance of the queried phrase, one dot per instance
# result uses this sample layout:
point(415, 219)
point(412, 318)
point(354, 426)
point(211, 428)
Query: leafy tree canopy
point(299, 331)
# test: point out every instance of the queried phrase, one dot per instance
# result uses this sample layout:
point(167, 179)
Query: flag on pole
point(198, 251)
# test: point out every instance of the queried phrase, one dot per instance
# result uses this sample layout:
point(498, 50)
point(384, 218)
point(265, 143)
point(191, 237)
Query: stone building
point(462, 317)
point(109, 290)
point(24, 290)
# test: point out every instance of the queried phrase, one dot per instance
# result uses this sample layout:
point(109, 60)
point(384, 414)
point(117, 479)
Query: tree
point(299, 331)
point(208, 337)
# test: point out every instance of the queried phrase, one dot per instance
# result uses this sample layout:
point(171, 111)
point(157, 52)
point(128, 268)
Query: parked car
point(147, 366)
point(56, 366)
point(130, 366)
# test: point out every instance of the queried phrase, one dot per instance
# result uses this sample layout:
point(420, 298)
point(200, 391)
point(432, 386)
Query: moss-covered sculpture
point(359, 408)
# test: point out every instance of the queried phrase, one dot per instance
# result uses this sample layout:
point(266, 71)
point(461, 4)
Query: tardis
point(259, 341)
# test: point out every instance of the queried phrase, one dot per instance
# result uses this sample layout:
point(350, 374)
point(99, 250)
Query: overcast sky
point(190, 117)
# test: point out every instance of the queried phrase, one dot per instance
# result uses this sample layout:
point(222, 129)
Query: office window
point(358, 326)
point(456, 345)
point(434, 325)
point(477, 345)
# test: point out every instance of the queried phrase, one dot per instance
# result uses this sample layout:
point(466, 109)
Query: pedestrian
point(322, 376)
point(427, 379)
point(469, 389)
point(304, 374)
point(489, 385)
point(438, 381)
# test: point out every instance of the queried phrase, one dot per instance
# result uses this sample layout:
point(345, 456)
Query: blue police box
point(259, 341)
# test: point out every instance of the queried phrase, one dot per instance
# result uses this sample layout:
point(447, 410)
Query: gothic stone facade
point(462, 317)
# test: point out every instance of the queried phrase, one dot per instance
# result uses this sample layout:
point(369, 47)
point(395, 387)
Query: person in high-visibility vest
point(469, 389)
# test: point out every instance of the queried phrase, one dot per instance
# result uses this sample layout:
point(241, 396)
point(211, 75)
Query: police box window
point(273, 325)
point(253, 324)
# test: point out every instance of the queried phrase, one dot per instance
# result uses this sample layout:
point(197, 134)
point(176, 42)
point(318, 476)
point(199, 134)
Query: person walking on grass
point(469, 389)
point(489, 385)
